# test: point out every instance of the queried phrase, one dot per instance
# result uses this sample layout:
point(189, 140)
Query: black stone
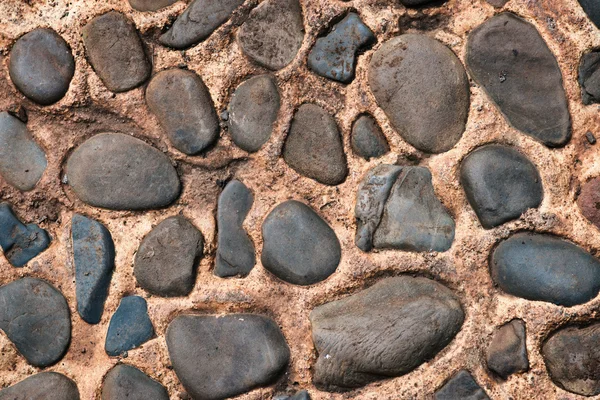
point(367, 140)
point(592, 9)
point(126, 382)
point(461, 386)
point(129, 327)
point(507, 352)
point(42, 386)
point(20, 242)
point(589, 77)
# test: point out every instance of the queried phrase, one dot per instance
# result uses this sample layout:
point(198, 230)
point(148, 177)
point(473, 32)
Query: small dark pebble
point(129, 327)
point(461, 386)
point(590, 138)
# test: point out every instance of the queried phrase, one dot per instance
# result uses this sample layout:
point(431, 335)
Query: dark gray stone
point(589, 200)
point(589, 77)
point(129, 327)
point(418, 3)
point(384, 331)
point(35, 317)
point(273, 33)
point(199, 20)
point(299, 247)
point(252, 112)
point(126, 382)
point(498, 3)
point(301, 395)
point(119, 172)
point(115, 51)
point(217, 357)
point(592, 9)
point(150, 5)
point(94, 257)
point(334, 56)
point(562, 272)
point(461, 386)
point(41, 66)
point(507, 352)
point(181, 102)
point(20, 242)
point(22, 160)
point(507, 56)
point(42, 386)
point(166, 261)
point(500, 184)
point(367, 140)
point(423, 89)
point(235, 250)
point(314, 148)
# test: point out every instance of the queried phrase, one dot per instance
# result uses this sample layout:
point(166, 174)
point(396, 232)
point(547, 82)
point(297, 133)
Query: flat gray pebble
point(367, 140)
point(42, 386)
point(126, 382)
point(461, 386)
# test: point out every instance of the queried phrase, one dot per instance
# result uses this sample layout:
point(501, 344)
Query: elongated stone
point(129, 327)
point(42, 386)
point(461, 386)
point(507, 352)
point(20, 243)
point(126, 382)
point(150, 5)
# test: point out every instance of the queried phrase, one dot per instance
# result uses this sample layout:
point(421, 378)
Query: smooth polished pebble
point(129, 327)
point(42, 386)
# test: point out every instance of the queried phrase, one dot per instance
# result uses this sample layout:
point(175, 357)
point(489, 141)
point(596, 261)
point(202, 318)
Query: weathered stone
point(423, 89)
point(589, 77)
point(129, 327)
point(150, 5)
point(299, 247)
point(166, 261)
point(367, 140)
point(507, 56)
point(589, 200)
point(41, 66)
point(498, 3)
point(386, 330)
point(94, 257)
point(273, 33)
point(334, 56)
point(115, 51)
point(252, 112)
point(314, 148)
point(500, 184)
point(120, 172)
point(20, 242)
point(507, 352)
point(563, 273)
point(126, 382)
point(461, 386)
point(181, 102)
point(22, 160)
point(217, 357)
point(42, 386)
point(199, 20)
point(592, 9)
point(235, 250)
point(35, 317)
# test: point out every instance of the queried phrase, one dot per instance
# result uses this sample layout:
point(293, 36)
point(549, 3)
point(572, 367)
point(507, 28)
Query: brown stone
point(589, 200)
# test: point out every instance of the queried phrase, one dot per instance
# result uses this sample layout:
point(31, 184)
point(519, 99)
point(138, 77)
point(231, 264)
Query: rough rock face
point(120, 172)
point(563, 273)
point(216, 357)
point(150, 5)
point(461, 386)
point(592, 9)
point(589, 77)
point(298, 245)
point(273, 33)
point(181, 102)
point(423, 89)
point(589, 201)
point(35, 317)
point(507, 56)
point(20, 243)
point(386, 330)
point(42, 386)
point(126, 382)
point(507, 352)
point(367, 140)
point(129, 327)
point(41, 66)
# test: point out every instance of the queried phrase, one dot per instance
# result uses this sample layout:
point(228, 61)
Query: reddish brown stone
point(589, 201)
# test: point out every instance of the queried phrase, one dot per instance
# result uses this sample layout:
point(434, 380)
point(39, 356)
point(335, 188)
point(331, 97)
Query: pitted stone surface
point(367, 140)
point(592, 9)
point(130, 326)
point(461, 386)
point(42, 386)
point(589, 77)
point(507, 352)
point(126, 382)
point(589, 200)
point(150, 5)
point(20, 243)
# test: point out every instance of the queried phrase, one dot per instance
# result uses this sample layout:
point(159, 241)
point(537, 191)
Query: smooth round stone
point(507, 352)
point(129, 327)
point(120, 172)
point(126, 382)
point(42, 386)
point(41, 66)
point(150, 5)
point(252, 111)
point(592, 9)
point(423, 89)
point(461, 386)
point(589, 200)
point(299, 247)
point(367, 140)
point(589, 77)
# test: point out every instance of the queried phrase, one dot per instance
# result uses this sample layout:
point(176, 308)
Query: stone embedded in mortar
point(461, 386)
point(35, 317)
point(42, 386)
point(497, 3)
point(500, 184)
point(41, 66)
point(94, 257)
point(126, 382)
point(129, 327)
point(183, 106)
point(404, 321)
point(119, 172)
point(563, 273)
point(589, 77)
point(507, 56)
point(334, 55)
point(22, 160)
point(20, 243)
point(592, 9)
point(116, 52)
point(423, 89)
point(217, 357)
point(166, 261)
point(299, 247)
point(150, 5)
point(273, 33)
point(418, 3)
point(301, 395)
point(507, 352)
point(367, 140)
point(314, 148)
point(589, 200)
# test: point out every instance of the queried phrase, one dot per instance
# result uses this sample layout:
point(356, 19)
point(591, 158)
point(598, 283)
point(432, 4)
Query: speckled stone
point(461, 386)
point(20, 243)
point(367, 140)
point(589, 77)
point(589, 200)
point(507, 352)
point(592, 9)
point(418, 3)
point(129, 327)
point(42, 386)
point(126, 382)
point(150, 5)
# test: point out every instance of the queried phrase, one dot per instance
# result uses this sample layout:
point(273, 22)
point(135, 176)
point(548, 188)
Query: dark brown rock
point(367, 140)
point(507, 352)
point(42, 386)
point(589, 200)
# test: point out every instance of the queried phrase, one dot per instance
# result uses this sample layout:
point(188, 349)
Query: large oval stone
point(127, 382)
point(545, 268)
point(120, 172)
point(217, 357)
point(386, 330)
point(507, 56)
point(423, 89)
point(42, 386)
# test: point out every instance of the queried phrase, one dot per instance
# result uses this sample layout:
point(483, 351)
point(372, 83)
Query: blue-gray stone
point(20, 242)
point(129, 327)
point(589, 77)
point(127, 382)
point(94, 256)
point(367, 140)
point(334, 56)
point(461, 386)
point(42, 386)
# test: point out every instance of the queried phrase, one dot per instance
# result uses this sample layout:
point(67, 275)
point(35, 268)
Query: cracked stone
point(150, 5)
point(589, 77)
point(507, 352)
point(126, 382)
point(367, 140)
point(42, 386)
point(129, 327)
point(461, 386)
point(20, 242)
point(592, 9)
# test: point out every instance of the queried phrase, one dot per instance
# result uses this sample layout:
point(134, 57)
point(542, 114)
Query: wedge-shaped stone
point(507, 352)
point(42, 386)
point(367, 140)
point(127, 382)
point(589, 200)
point(461, 386)
point(129, 327)
point(20, 243)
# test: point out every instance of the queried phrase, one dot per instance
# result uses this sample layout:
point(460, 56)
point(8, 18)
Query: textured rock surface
point(589, 201)
point(367, 140)
point(461, 386)
point(20, 243)
point(150, 5)
point(222, 356)
point(42, 386)
point(386, 330)
point(417, 3)
point(126, 382)
point(507, 352)
point(299, 247)
point(507, 56)
point(423, 89)
point(592, 9)
point(130, 326)
point(120, 172)
point(589, 77)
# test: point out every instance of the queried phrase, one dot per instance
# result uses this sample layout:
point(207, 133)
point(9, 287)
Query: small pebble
point(507, 352)
point(126, 382)
point(590, 138)
point(461, 386)
point(129, 327)
point(367, 140)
